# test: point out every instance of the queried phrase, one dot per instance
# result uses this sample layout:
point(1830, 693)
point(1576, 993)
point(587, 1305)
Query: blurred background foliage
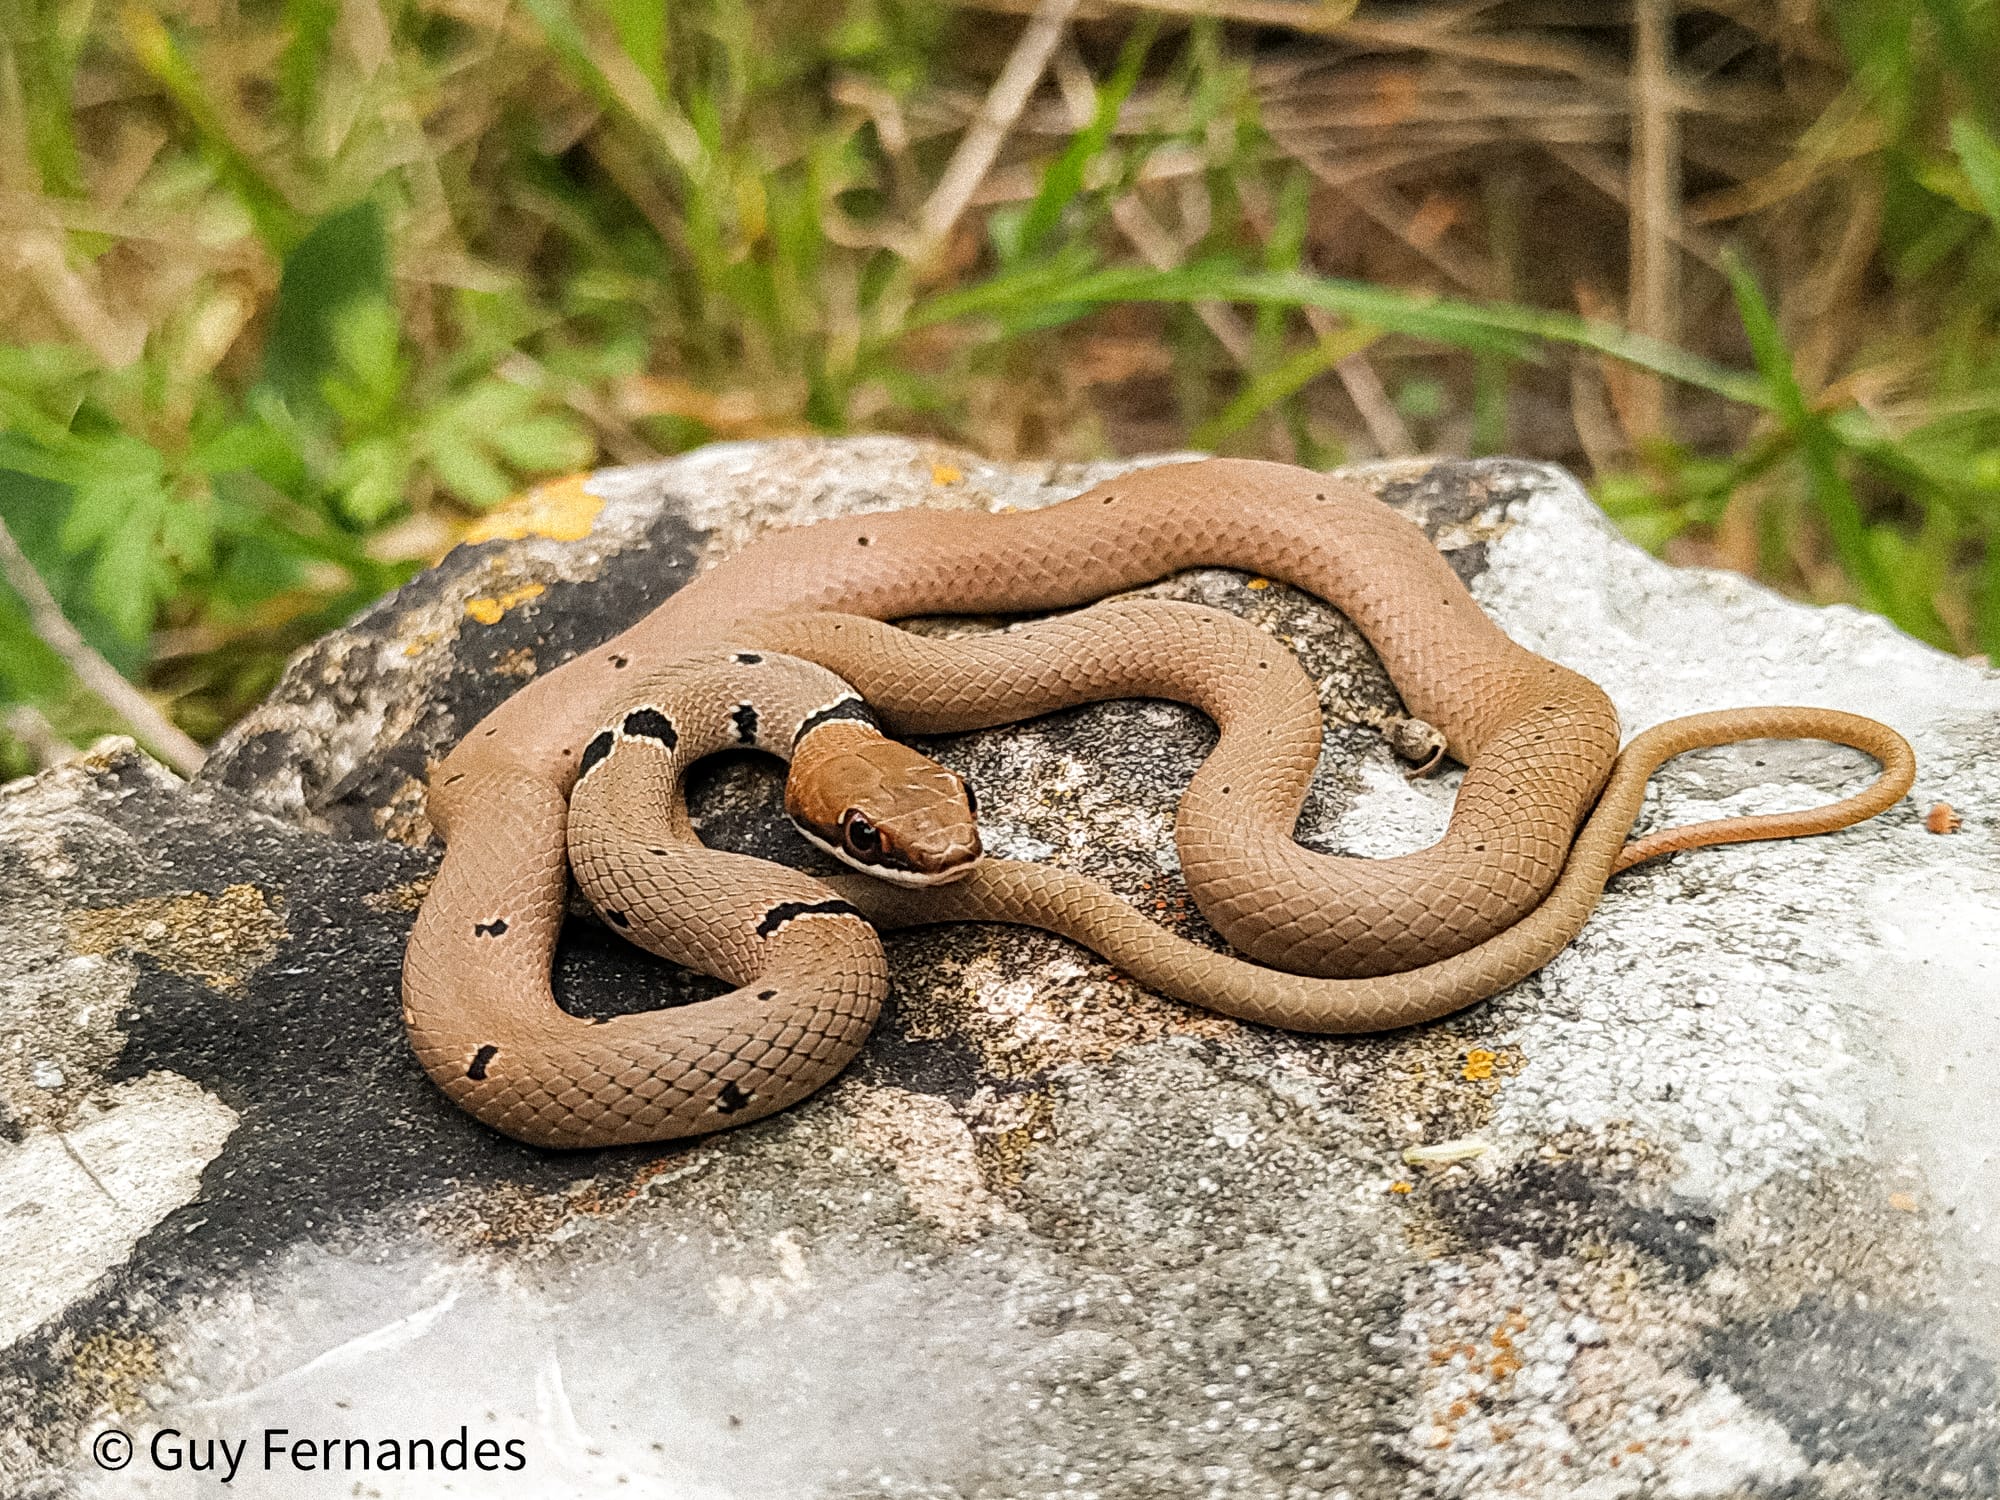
point(297, 288)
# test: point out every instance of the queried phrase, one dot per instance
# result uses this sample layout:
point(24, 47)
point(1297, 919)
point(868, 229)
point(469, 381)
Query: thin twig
point(1653, 200)
point(980, 145)
point(1157, 248)
point(46, 618)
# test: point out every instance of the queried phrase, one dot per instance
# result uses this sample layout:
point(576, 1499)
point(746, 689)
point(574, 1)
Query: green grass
point(312, 286)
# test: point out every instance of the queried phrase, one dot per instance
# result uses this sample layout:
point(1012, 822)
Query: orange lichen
point(489, 609)
point(1941, 818)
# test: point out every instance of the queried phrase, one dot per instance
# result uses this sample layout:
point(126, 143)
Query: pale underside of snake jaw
point(1427, 934)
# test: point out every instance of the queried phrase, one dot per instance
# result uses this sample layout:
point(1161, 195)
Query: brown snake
point(741, 656)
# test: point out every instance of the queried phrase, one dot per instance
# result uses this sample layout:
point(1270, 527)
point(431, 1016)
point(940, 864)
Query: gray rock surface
point(1713, 1214)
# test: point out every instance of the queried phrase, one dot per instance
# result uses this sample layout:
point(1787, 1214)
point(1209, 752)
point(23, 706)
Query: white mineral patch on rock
point(1763, 1082)
point(73, 1202)
point(633, 1370)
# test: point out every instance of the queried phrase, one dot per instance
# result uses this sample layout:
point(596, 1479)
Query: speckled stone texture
point(1712, 1213)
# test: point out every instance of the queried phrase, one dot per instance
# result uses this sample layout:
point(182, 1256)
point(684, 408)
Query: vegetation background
point(297, 288)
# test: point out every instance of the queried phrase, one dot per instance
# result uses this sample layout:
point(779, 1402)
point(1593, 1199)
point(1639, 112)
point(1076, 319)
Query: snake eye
point(862, 837)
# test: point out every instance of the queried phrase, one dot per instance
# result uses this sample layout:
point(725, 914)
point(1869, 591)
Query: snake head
point(883, 808)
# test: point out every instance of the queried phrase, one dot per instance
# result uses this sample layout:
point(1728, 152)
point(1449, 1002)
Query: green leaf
point(544, 445)
point(371, 480)
point(343, 261)
point(641, 26)
point(468, 473)
point(1492, 328)
point(366, 386)
point(1980, 157)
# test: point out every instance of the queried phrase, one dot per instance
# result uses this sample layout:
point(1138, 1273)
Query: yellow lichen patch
point(1257, 583)
point(489, 609)
point(520, 662)
point(561, 510)
point(112, 1370)
point(1478, 1064)
point(1399, 1186)
point(1005, 1128)
point(219, 940)
point(405, 897)
point(943, 473)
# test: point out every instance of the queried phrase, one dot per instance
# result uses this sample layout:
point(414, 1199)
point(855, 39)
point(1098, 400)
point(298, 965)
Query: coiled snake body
point(780, 646)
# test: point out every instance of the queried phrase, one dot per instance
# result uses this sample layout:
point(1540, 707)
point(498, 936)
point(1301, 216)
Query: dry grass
point(297, 288)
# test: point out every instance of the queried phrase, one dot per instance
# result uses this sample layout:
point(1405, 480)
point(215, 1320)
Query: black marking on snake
point(731, 1098)
point(618, 919)
point(495, 928)
point(971, 800)
point(748, 658)
point(599, 747)
point(745, 720)
point(767, 994)
point(786, 911)
point(480, 1059)
point(852, 709)
point(651, 724)
point(621, 662)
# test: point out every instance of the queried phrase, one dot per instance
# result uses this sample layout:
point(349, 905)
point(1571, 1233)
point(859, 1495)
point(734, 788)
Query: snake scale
point(782, 647)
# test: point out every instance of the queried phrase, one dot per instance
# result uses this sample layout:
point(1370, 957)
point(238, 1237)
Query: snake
point(786, 647)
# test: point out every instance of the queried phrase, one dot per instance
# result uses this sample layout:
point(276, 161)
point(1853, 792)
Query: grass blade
point(1063, 181)
point(1486, 328)
point(1820, 447)
point(1281, 382)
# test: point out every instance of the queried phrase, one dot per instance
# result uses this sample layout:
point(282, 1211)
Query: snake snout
point(946, 854)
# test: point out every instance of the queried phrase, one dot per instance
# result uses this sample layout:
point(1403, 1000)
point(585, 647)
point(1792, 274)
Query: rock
point(1709, 1210)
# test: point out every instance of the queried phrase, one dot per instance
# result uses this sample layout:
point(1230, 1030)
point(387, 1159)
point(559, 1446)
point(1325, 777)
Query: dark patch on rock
point(1559, 1207)
point(1857, 1383)
point(339, 1127)
point(598, 975)
point(283, 757)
